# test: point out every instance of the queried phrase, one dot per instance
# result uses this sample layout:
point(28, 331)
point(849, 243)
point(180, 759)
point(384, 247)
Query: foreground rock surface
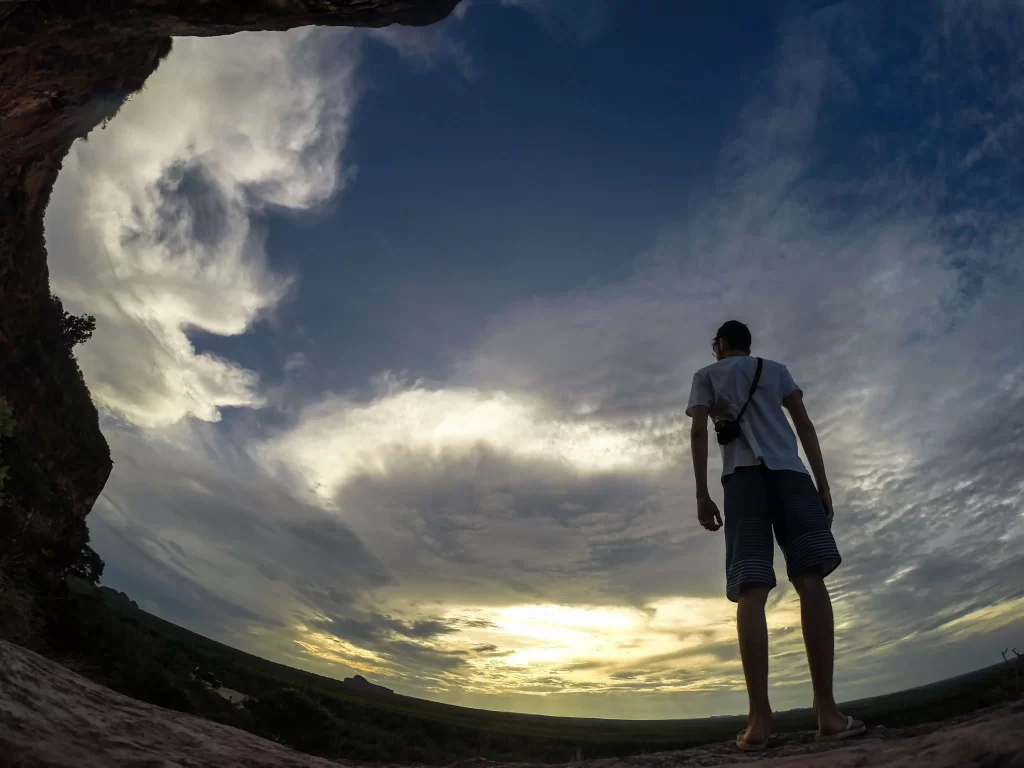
point(50, 716)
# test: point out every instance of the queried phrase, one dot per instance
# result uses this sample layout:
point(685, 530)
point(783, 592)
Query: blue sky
point(395, 331)
point(549, 165)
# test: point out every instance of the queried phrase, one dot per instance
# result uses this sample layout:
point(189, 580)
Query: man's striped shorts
point(758, 500)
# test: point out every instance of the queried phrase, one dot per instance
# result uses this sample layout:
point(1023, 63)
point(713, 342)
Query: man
point(767, 486)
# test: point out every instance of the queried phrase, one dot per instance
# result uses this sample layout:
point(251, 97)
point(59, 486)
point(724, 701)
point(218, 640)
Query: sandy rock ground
point(50, 716)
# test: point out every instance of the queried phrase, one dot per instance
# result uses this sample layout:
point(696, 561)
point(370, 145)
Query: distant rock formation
point(111, 592)
point(66, 65)
point(50, 716)
point(360, 683)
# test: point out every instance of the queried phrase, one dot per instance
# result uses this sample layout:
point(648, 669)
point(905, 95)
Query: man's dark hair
point(736, 333)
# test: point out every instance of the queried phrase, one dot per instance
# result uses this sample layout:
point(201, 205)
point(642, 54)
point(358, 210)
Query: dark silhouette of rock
point(65, 66)
point(111, 592)
point(360, 683)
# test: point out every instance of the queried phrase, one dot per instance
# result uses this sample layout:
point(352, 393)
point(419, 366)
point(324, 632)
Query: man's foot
point(746, 746)
point(833, 725)
point(759, 728)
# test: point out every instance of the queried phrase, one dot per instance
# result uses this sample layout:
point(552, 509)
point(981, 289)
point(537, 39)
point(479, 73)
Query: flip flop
point(853, 728)
point(749, 746)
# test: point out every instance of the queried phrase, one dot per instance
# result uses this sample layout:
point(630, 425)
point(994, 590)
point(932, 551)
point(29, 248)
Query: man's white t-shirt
point(767, 436)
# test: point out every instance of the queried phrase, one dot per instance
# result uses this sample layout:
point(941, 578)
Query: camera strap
point(753, 386)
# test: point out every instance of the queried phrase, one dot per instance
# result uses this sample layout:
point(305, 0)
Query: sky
point(395, 331)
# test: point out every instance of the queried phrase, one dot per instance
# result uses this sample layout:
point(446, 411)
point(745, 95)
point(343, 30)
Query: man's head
point(732, 339)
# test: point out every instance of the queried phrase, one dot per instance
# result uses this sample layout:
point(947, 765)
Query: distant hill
point(41, 699)
point(360, 683)
point(364, 725)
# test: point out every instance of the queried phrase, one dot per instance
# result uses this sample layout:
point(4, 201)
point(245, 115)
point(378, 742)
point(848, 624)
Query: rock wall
point(65, 65)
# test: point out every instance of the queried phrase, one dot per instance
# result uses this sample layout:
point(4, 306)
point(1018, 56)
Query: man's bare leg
point(753, 633)
point(819, 640)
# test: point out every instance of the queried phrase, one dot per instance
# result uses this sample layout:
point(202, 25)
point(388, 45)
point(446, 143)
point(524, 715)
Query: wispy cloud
point(155, 227)
point(430, 47)
point(338, 439)
point(205, 540)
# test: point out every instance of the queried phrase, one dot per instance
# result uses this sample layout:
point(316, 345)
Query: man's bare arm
point(707, 511)
point(794, 403)
point(699, 448)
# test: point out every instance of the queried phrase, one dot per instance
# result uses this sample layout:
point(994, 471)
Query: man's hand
point(708, 514)
point(826, 502)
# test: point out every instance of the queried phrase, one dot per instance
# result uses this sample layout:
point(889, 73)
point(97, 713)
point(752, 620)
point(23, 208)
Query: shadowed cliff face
point(64, 67)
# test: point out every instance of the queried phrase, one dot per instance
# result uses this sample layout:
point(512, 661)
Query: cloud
point(155, 227)
point(198, 532)
point(430, 47)
point(204, 540)
point(339, 438)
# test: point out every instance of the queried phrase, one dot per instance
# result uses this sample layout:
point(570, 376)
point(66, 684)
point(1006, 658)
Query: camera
point(727, 431)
